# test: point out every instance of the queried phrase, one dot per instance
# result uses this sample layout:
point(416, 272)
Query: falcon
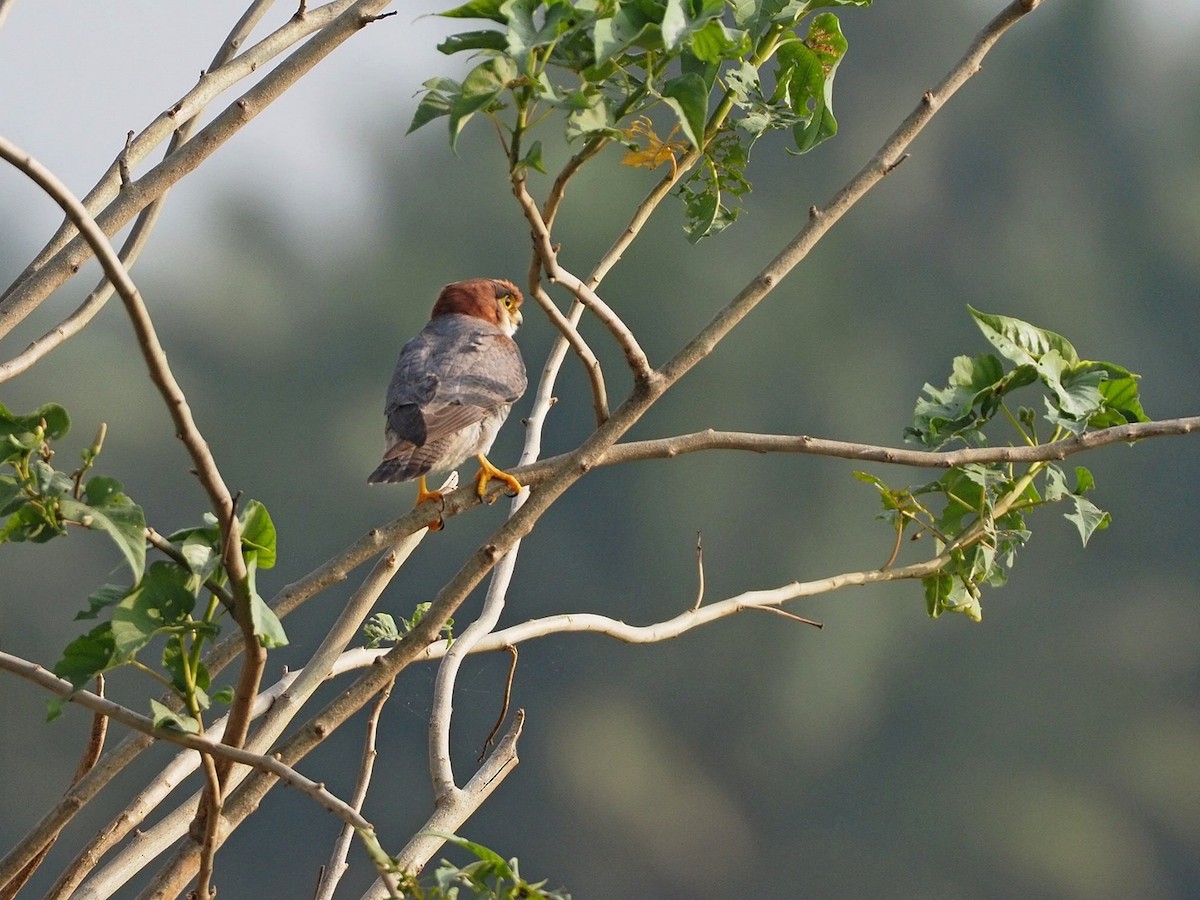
point(453, 387)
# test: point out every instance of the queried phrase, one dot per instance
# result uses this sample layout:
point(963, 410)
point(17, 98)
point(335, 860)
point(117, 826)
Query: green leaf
point(108, 509)
point(28, 427)
point(12, 495)
point(1122, 404)
point(437, 102)
point(589, 114)
point(959, 410)
point(174, 660)
point(102, 598)
point(161, 602)
point(477, 9)
point(687, 95)
point(947, 593)
point(629, 27)
point(481, 90)
point(1021, 342)
point(804, 80)
point(164, 717)
point(88, 655)
point(258, 534)
point(30, 522)
point(532, 158)
point(473, 40)
point(380, 629)
point(526, 35)
point(267, 627)
point(1084, 481)
point(1087, 517)
point(714, 43)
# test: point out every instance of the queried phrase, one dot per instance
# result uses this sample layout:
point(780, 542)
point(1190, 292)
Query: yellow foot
point(423, 494)
point(487, 472)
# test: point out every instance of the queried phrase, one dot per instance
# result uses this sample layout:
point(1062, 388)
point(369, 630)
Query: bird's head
point(491, 299)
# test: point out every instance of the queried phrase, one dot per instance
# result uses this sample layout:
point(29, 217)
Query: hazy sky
point(76, 76)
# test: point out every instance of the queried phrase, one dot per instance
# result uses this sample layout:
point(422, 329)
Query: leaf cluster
point(39, 503)
point(607, 68)
point(382, 628)
point(978, 513)
point(489, 875)
point(165, 600)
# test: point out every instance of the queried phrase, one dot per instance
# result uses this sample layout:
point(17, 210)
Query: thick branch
point(821, 220)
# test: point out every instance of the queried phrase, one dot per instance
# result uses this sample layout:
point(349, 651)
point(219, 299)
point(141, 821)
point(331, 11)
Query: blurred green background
point(1051, 751)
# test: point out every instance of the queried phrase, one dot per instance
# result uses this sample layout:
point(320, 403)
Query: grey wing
point(479, 371)
point(452, 375)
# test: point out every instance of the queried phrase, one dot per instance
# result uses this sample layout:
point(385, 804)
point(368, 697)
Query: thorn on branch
point(512, 671)
point(891, 167)
point(700, 568)
point(123, 161)
point(787, 615)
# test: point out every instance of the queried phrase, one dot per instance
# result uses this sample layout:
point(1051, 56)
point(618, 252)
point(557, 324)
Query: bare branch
point(665, 448)
point(337, 866)
point(146, 220)
point(625, 339)
point(64, 255)
point(567, 328)
point(31, 671)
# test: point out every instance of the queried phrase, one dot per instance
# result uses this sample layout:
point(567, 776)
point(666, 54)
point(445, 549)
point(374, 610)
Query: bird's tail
point(391, 470)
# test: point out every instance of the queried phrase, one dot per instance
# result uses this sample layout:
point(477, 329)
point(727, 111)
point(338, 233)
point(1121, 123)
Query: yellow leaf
point(657, 151)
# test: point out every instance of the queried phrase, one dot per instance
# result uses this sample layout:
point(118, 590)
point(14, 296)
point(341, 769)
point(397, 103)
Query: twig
point(449, 816)
point(31, 671)
point(625, 339)
point(512, 671)
point(210, 814)
point(699, 572)
point(787, 615)
point(337, 866)
point(567, 328)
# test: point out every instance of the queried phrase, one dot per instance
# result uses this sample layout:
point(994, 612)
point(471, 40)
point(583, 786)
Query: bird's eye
point(507, 300)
